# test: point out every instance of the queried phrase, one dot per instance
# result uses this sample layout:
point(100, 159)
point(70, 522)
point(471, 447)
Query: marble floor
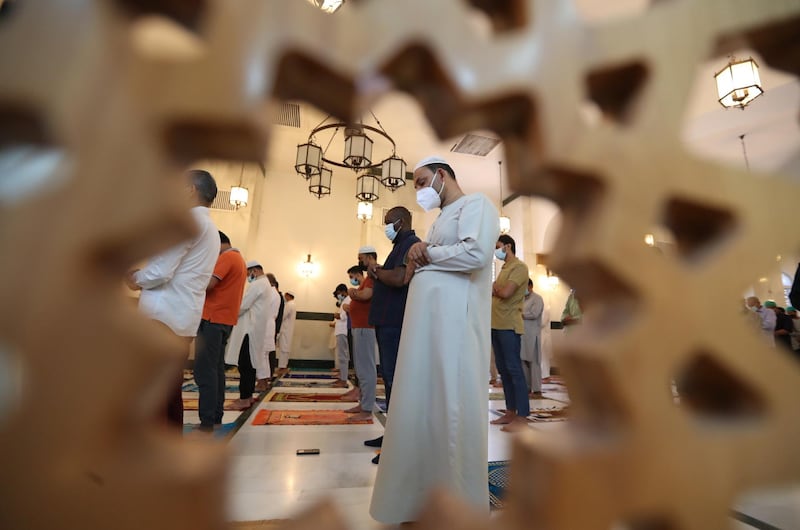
point(269, 481)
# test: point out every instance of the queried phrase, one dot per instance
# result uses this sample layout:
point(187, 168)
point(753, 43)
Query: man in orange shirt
point(220, 313)
point(363, 337)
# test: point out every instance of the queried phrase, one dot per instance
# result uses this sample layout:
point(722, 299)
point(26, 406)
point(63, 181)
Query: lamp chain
point(500, 178)
point(744, 152)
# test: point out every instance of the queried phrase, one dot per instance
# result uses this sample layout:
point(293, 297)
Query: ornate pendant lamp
point(309, 160)
point(393, 172)
point(738, 83)
point(319, 185)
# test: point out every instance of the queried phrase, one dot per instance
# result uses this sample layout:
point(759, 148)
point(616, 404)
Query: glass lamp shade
point(367, 188)
point(358, 151)
point(239, 196)
point(505, 225)
point(309, 160)
point(320, 185)
point(393, 173)
point(738, 83)
point(307, 268)
point(365, 211)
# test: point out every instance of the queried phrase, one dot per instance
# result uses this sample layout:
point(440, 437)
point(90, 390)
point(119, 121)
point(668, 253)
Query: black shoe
point(377, 459)
point(377, 442)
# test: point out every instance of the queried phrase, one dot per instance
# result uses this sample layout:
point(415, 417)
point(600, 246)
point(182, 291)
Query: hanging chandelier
point(505, 222)
point(738, 83)
point(360, 142)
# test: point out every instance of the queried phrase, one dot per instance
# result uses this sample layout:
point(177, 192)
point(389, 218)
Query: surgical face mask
point(250, 278)
point(340, 297)
point(354, 282)
point(527, 292)
point(390, 232)
point(500, 254)
point(428, 198)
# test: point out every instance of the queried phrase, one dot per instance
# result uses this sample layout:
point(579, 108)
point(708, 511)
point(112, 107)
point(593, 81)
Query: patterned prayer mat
point(230, 386)
point(498, 482)
point(297, 397)
point(221, 432)
point(305, 417)
point(549, 415)
point(304, 384)
point(310, 376)
point(193, 404)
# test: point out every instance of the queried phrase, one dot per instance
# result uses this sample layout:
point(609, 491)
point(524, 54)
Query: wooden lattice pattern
point(129, 123)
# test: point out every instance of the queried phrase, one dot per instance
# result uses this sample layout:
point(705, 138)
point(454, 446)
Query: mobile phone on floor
point(307, 452)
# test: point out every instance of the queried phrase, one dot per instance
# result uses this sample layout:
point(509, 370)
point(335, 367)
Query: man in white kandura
point(436, 434)
point(287, 331)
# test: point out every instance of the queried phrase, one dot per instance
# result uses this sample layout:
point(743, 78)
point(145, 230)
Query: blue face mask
point(353, 282)
point(390, 232)
point(527, 292)
point(250, 278)
point(500, 254)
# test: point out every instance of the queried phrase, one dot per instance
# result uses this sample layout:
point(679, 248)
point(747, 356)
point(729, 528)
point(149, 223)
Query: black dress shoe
point(377, 442)
point(377, 459)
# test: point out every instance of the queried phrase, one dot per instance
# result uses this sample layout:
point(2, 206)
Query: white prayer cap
point(253, 263)
point(367, 249)
point(431, 160)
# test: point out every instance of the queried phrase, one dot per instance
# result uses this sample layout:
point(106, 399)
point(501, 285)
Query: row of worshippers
point(196, 289)
point(779, 326)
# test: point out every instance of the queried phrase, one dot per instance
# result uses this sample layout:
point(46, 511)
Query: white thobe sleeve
point(160, 269)
point(478, 229)
point(249, 298)
point(533, 307)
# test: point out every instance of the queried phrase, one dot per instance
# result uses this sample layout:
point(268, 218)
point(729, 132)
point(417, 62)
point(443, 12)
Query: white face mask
point(427, 197)
point(500, 254)
point(390, 232)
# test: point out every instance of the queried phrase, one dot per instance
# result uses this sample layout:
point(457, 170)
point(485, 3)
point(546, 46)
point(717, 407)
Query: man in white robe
point(287, 331)
point(532, 308)
point(247, 338)
point(436, 434)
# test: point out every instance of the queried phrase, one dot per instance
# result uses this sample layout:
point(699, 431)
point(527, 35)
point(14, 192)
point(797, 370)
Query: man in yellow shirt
point(508, 293)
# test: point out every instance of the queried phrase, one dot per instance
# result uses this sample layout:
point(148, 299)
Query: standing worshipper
point(532, 308)
point(247, 338)
point(436, 434)
point(287, 331)
point(173, 284)
point(340, 329)
point(363, 338)
point(266, 369)
point(767, 317)
point(276, 324)
point(389, 298)
point(508, 292)
point(220, 314)
point(572, 314)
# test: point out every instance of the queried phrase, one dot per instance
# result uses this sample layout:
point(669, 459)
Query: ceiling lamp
point(239, 194)
point(738, 83)
point(309, 160)
point(364, 211)
point(393, 172)
point(320, 184)
point(367, 188)
point(505, 222)
point(358, 142)
point(329, 6)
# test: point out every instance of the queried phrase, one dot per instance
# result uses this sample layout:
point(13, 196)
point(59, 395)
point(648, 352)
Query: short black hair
point(224, 239)
point(530, 282)
point(205, 184)
point(437, 166)
point(340, 288)
point(402, 215)
point(272, 280)
point(373, 254)
point(356, 269)
point(508, 240)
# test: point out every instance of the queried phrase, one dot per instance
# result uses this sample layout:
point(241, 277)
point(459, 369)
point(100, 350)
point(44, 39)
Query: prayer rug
point(549, 415)
point(220, 432)
point(498, 482)
point(298, 397)
point(193, 404)
point(305, 417)
point(304, 384)
point(310, 376)
point(230, 386)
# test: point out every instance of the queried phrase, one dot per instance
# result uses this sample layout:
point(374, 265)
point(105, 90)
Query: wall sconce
point(307, 268)
point(364, 211)
point(738, 83)
point(650, 240)
point(239, 194)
